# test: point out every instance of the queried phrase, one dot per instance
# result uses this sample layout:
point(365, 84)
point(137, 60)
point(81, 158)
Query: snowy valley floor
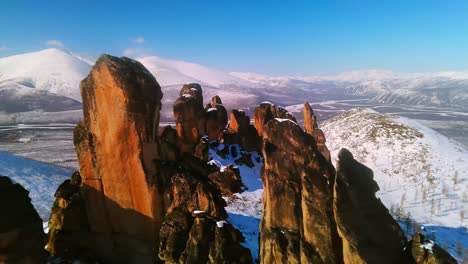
point(52, 143)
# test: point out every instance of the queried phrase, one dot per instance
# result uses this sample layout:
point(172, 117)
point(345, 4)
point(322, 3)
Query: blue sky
point(274, 37)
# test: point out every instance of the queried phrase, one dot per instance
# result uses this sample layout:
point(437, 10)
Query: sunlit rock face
point(266, 112)
point(311, 128)
point(298, 224)
point(116, 144)
point(141, 188)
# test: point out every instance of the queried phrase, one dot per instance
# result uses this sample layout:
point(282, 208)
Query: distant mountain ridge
point(48, 80)
point(446, 89)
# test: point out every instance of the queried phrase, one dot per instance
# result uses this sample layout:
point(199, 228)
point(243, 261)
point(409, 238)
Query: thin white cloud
point(128, 52)
point(139, 40)
point(3, 48)
point(55, 43)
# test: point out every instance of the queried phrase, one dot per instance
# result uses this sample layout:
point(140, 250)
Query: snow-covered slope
point(170, 72)
point(244, 209)
point(40, 179)
point(53, 71)
point(417, 169)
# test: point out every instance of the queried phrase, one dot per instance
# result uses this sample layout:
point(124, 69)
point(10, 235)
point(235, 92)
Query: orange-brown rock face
point(311, 127)
point(189, 116)
point(216, 118)
point(266, 112)
point(241, 132)
point(116, 144)
point(368, 231)
point(140, 189)
point(21, 237)
point(297, 224)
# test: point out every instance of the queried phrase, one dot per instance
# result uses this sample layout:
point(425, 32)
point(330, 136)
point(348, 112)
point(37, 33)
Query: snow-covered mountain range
point(48, 80)
point(52, 71)
point(447, 89)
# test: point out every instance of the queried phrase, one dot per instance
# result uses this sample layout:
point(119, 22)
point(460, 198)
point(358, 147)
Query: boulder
point(22, 239)
point(368, 231)
point(311, 128)
point(297, 224)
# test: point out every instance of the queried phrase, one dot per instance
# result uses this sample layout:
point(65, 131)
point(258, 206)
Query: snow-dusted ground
point(51, 143)
point(244, 209)
point(41, 117)
point(418, 169)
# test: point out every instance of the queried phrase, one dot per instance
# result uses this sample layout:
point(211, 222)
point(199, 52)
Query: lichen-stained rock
point(267, 111)
point(216, 118)
point(116, 144)
point(427, 252)
point(189, 117)
point(311, 127)
point(368, 231)
point(298, 224)
point(21, 237)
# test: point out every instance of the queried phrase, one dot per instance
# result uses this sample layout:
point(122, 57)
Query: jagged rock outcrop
point(241, 132)
point(267, 111)
point(216, 118)
point(298, 224)
point(140, 188)
point(368, 231)
point(116, 144)
point(186, 238)
point(195, 90)
point(311, 128)
point(189, 117)
point(21, 237)
point(427, 252)
point(68, 221)
point(228, 180)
